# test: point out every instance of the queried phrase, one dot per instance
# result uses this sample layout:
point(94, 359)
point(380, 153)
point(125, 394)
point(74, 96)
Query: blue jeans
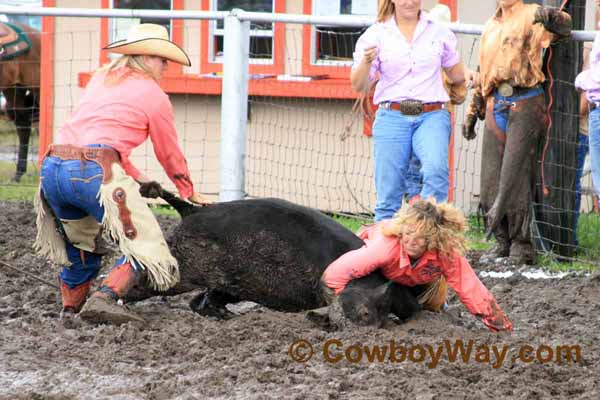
point(395, 138)
point(502, 106)
point(70, 188)
point(414, 179)
point(594, 138)
point(583, 146)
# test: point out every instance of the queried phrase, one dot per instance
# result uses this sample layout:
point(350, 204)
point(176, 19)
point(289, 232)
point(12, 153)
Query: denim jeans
point(71, 188)
point(502, 105)
point(396, 137)
point(583, 146)
point(594, 138)
point(414, 179)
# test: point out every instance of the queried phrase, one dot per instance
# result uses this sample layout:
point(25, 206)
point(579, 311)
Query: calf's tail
point(183, 207)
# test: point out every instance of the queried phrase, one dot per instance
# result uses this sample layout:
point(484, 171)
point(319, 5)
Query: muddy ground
point(181, 355)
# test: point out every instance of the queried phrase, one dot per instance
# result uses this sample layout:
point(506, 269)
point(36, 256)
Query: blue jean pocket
point(85, 181)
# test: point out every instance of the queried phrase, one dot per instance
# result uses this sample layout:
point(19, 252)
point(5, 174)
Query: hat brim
point(151, 47)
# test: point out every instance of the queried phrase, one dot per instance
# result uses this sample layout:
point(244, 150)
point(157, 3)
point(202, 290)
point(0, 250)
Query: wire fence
point(299, 108)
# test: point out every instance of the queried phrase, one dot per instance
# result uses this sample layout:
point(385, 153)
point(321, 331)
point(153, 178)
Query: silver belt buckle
point(385, 105)
point(505, 90)
point(411, 107)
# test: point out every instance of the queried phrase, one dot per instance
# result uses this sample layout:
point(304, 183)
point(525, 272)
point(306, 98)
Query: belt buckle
point(505, 90)
point(411, 107)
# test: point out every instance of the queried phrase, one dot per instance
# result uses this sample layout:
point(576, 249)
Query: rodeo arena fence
point(266, 110)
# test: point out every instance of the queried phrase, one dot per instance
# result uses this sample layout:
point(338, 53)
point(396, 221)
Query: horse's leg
point(21, 114)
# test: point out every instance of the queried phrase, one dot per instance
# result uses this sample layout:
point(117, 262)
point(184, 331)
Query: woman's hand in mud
point(196, 198)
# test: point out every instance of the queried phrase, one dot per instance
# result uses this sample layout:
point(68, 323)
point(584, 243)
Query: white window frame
point(214, 31)
point(313, 45)
point(111, 25)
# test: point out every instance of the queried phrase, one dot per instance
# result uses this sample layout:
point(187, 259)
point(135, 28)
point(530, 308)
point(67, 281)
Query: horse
point(20, 83)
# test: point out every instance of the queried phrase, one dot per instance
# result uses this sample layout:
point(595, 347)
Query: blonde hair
point(443, 225)
point(385, 9)
point(131, 64)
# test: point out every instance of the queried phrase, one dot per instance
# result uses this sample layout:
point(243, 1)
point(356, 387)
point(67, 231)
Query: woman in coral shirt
point(89, 185)
point(422, 248)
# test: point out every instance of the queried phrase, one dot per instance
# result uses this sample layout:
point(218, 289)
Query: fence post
point(234, 107)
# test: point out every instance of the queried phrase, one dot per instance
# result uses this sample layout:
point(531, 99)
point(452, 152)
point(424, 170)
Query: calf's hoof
point(208, 305)
point(103, 309)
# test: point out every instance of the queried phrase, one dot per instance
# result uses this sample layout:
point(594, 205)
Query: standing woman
point(88, 183)
point(509, 88)
point(589, 82)
point(407, 52)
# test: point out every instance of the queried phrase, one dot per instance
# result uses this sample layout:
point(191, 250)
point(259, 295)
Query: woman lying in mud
point(421, 248)
point(121, 107)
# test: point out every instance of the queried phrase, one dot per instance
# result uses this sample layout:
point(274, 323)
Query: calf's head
point(358, 304)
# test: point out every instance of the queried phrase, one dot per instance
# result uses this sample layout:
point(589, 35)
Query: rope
point(545, 190)
point(358, 109)
point(2, 263)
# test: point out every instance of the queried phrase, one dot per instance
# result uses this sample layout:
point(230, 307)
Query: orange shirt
point(388, 254)
point(511, 49)
point(123, 116)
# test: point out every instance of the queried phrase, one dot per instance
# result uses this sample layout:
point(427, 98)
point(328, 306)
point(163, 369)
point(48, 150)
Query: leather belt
point(505, 89)
point(412, 107)
point(104, 156)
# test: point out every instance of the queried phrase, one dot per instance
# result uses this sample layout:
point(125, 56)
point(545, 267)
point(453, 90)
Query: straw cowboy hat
point(150, 40)
point(441, 14)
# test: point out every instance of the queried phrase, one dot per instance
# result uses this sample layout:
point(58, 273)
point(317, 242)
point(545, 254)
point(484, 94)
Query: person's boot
point(502, 246)
point(522, 252)
point(73, 298)
point(102, 306)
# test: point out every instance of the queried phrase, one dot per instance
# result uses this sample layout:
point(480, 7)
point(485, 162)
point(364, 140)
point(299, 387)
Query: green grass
point(588, 233)
point(550, 263)
point(8, 134)
point(476, 235)
point(350, 223)
point(23, 191)
point(588, 230)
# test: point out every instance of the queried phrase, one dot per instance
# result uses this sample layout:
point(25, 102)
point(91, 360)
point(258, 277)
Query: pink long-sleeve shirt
point(387, 253)
point(409, 70)
point(589, 80)
point(123, 116)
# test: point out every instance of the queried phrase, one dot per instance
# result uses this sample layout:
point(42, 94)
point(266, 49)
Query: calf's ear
point(319, 317)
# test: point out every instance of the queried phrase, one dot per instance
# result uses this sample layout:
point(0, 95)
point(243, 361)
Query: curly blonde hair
point(124, 66)
point(443, 225)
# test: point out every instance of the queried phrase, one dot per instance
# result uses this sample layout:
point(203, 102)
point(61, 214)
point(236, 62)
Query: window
point(267, 40)
point(113, 29)
point(31, 20)
point(120, 26)
point(261, 34)
point(333, 45)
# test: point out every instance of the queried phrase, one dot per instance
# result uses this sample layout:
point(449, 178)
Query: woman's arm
point(474, 295)
point(360, 262)
point(359, 76)
point(161, 129)
point(456, 73)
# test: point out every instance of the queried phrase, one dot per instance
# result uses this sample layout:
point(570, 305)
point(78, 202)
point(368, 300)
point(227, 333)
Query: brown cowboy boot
point(502, 246)
point(102, 307)
point(72, 298)
point(522, 252)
